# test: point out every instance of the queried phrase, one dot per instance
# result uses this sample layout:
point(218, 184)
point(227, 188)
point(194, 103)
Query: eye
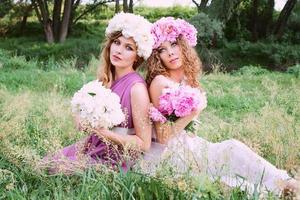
point(161, 50)
point(173, 44)
point(116, 41)
point(129, 48)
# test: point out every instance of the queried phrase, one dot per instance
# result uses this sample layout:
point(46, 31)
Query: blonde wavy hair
point(190, 61)
point(106, 71)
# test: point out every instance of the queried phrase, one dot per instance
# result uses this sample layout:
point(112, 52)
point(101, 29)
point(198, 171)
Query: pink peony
point(169, 29)
point(181, 101)
point(165, 105)
point(156, 116)
point(177, 102)
point(184, 106)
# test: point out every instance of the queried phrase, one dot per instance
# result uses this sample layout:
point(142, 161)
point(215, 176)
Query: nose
point(170, 52)
point(118, 49)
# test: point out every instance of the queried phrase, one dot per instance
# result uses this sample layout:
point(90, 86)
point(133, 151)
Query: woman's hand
point(201, 107)
point(196, 112)
point(79, 126)
point(101, 132)
point(164, 132)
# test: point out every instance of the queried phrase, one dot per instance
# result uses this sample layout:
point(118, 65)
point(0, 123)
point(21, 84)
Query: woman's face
point(170, 55)
point(123, 52)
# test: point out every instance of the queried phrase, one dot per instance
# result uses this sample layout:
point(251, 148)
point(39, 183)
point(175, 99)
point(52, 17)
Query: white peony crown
point(134, 26)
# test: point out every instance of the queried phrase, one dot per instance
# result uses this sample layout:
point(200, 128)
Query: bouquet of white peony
point(97, 106)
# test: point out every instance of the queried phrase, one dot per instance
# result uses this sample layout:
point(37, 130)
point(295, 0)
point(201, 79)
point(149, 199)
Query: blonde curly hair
point(191, 64)
point(106, 71)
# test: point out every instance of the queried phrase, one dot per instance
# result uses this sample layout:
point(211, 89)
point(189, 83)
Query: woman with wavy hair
point(128, 43)
point(174, 62)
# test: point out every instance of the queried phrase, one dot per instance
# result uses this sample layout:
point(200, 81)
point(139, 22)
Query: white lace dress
point(231, 161)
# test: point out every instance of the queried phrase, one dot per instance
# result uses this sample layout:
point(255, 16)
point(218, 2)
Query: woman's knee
point(232, 143)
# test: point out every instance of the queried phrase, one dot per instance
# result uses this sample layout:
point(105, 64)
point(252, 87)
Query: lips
point(115, 57)
point(173, 60)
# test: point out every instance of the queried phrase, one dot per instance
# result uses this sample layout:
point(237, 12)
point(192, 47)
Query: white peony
point(97, 106)
point(134, 26)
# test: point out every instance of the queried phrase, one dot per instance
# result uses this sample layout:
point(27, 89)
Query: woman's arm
point(140, 105)
point(165, 131)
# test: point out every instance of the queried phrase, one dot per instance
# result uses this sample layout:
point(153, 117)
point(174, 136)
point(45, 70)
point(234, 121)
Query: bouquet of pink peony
point(97, 106)
point(176, 102)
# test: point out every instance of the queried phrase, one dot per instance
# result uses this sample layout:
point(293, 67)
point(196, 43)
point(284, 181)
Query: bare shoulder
point(140, 99)
point(139, 89)
point(158, 82)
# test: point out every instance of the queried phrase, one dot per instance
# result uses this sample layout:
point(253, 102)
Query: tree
point(293, 24)
point(223, 9)
point(25, 11)
point(65, 21)
point(130, 7)
point(57, 22)
point(283, 18)
point(5, 7)
point(267, 18)
point(125, 6)
point(254, 20)
point(201, 6)
point(117, 6)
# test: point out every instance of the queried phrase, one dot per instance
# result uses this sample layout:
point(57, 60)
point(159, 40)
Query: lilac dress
point(93, 150)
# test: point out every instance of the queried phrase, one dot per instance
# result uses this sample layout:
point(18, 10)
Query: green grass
point(258, 107)
point(83, 43)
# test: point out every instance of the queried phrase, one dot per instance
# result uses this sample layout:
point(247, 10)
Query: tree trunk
point(60, 24)
point(65, 21)
point(56, 18)
point(203, 4)
point(125, 6)
point(130, 9)
point(283, 18)
point(48, 31)
point(28, 10)
point(200, 6)
point(75, 5)
point(267, 19)
point(254, 20)
point(42, 12)
point(23, 24)
point(117, 6)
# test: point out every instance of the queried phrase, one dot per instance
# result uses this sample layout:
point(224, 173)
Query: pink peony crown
point(169, 29)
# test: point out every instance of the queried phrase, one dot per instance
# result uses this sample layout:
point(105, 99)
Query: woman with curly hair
point(172, 63)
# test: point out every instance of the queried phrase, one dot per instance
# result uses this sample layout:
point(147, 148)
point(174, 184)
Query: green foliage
point(292, 33)
point(82, 49)
point(222, 9)
point(154, 14)
point(20, 183)
point(250, 70)
point(14, 62)
point(294, 70)
point(209, 30)
point(18, 74)
point(5, 6)
point(101, 13)
point(273, 55)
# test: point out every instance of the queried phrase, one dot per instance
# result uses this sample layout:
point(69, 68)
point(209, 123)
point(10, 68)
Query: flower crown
point(134, 26)
point(169, 29)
